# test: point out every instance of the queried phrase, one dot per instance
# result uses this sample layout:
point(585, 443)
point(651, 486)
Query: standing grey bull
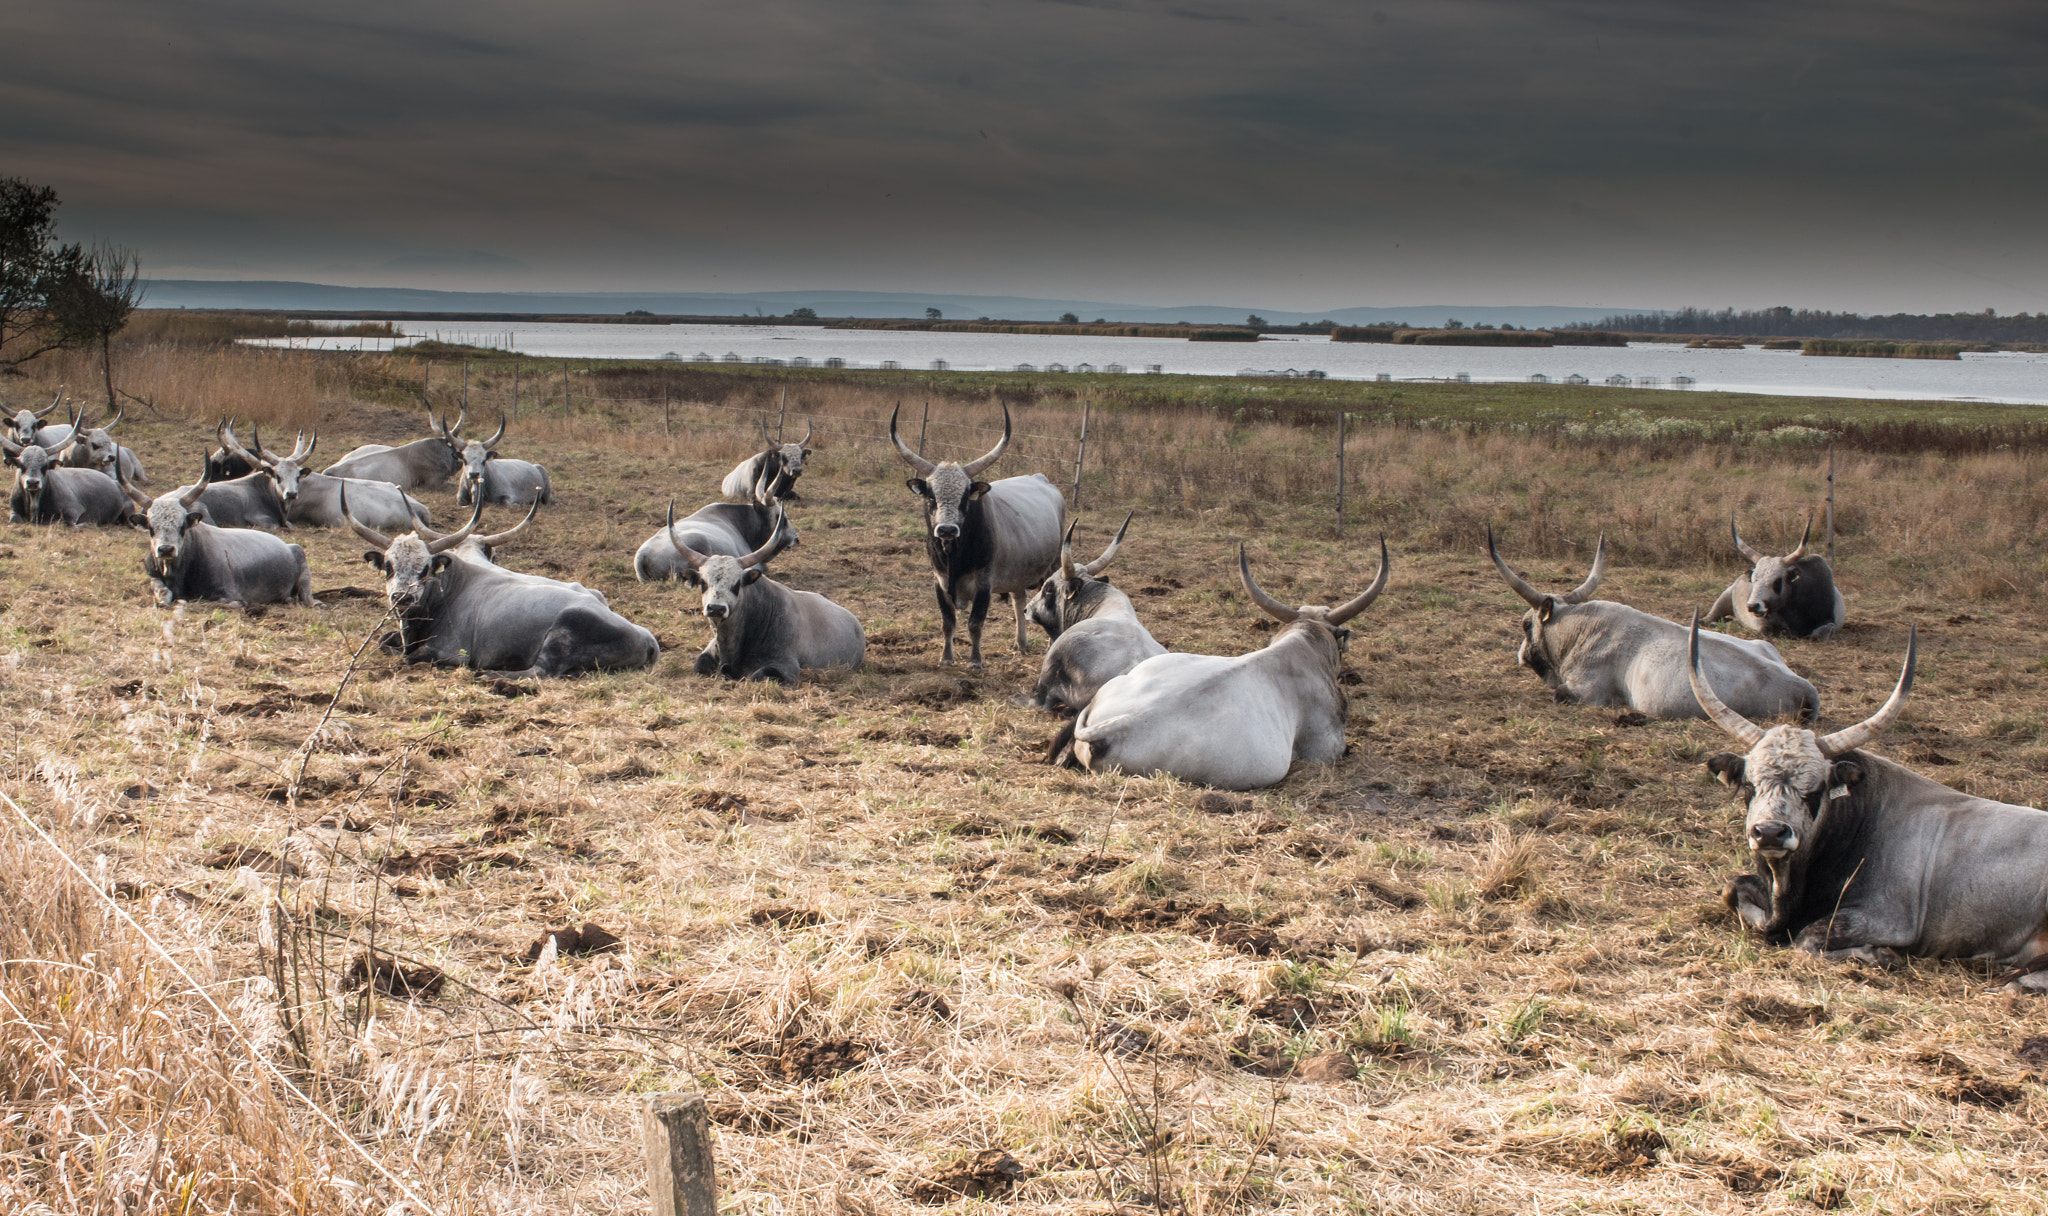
point(1793, 596)
point(1858, 857)
point(1604, 653)
point(780, 463)
point(191, 559)
point(764, 630)
point(314, 499)
point(983, 539)
point(489, 477)
point(422, 464)
point(457, 609)
point(47, 493)
point(1095, 631)
point(1235, 723)
point(728, 528)
point(93, 448)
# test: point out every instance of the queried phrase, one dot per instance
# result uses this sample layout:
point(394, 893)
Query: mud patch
point(987, 1174)
point(234, 855)
point(1782, 1012)
point(800, 1060)
point(787, 918)
point(448, 861)
point(1212, 920)
point(391, 977)
point(763, 1118)
point(591, 938)
point(1627, 1152)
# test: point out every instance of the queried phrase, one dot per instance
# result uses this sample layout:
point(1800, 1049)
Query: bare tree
point(95, 301)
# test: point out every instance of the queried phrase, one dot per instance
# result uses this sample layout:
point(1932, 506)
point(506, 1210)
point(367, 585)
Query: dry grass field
point(1479, 966)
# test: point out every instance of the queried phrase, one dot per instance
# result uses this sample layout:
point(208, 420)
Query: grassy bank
point(1881, 350)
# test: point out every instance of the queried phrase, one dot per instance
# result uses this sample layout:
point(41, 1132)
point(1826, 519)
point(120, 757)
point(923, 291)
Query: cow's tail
point(1060, 752)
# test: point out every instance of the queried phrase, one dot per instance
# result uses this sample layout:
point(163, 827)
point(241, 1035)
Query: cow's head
point(948, 488)
point(786, 460)
point(31, 463)
point(1788, 771)
point(1777, 584)
point(93, 448)
point(169, 518)
point(26, 421)
point(723, 578)
point(413, 564)
point(450, 436)
point(1535, 652)
point(481, 544)
point(476, 454)
point(283, 471)
point(1332, 619)
point(1053, 605)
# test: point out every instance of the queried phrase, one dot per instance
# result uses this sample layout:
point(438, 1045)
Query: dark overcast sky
point(1290, 153)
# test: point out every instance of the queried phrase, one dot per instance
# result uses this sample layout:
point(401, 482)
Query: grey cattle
point(1094, 630)
point(420, 465)
point(26, 422)
point(314, 499)
point(191, 559)
point(46, 493)
point(762, 629)
point(500, 479)
point(983, 539)
point(1235, 723)
point(1792, 596)
point(93, 448)
point(1604, 653)
point(780, 463)
point(1858, 857)
point(728, 528)
point(458, 609)
point(251, 501)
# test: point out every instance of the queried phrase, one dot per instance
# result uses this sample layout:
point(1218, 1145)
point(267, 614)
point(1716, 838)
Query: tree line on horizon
point(1787, 322)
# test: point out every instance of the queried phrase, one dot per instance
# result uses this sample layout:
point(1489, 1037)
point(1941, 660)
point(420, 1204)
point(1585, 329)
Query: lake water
point(2008, 378)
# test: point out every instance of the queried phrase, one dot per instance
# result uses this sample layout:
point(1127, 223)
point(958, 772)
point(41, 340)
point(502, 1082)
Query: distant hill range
point(322, 297)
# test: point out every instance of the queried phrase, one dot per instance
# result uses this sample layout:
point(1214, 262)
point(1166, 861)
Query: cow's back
point(1024, 515)
point(1204, 718)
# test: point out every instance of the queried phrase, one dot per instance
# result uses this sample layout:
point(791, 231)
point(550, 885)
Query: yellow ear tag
point(1840, 791)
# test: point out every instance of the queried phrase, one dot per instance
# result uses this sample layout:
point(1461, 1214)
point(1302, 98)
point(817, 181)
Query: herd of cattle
point(1855, 856)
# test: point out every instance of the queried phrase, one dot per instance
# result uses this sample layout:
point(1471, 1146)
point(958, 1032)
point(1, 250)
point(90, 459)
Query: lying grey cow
point(191, 559)
point(982, 539)
point(27, 423)
point(47, 493)
point(1095, 631)
point(780, 463)
point(1237, 724)
point(251, 501)
point(728, 528)
point(1793, 596)
point(314, 499)
point(500, 479)
point(457, 609)
point(420, 465)
point(93, 448)
point(1858, 857)
point(1604, 653)
point(764, 630)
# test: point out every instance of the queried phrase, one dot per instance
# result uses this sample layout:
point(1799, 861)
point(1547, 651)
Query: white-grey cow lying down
point(1793, 596)
point(457, 609)
point(92, 448)
point(191, 559)
point(1604, 653)
point(1095, 632)
point(764, 630)
point(1234, 723)
point(46, 493)
point(721, 528)
point(780, 463)
point(422, 464)
point(26, 423)
point(983, 539)
point(1861, 858)
point(314, 499)
point(501, 479)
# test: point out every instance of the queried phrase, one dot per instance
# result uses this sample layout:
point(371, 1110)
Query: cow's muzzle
point(947, 531)
point(166, 552)
point(1773, 839)
point(716, 612)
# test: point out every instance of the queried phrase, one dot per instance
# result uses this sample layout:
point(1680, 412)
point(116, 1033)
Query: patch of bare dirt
point(988, 1174)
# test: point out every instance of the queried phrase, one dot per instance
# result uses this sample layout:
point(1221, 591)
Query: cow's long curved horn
point(806, 440)
point(499, 538)
point(1116, 542)
point(1067, 552)
point(1523, 589)
point(12, 448)
point(1805, 536)
point(234, 448)
point(973, 468)
point(118, 415)
point(459, 535)
point(301, 449)
point(774, 545)
point(924, 467)
point(1584, 591)
point(688, 554)
point(1727, 719)
point(1741, 545)
point(54, 401)
point(134, 495)
point(765, 440)
point(190, 498)
point(1274, 608)
point(1345, 612)
point(1848, 740)
point(420, 526)
point(362, 529)
point(460, 414)
point(493, 440)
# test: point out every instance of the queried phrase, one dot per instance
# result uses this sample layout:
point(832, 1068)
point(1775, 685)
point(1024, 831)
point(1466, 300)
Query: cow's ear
point(1545, 609)
point(752, 576)
point(441, 561)
point(917, 486)
point(1728, 766)
point(374, 558)
point(691, 579)
point(1847, 772)
point(978, 489)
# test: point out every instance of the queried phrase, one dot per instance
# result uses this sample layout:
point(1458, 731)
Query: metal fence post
point(1340, 474)
point(1081, 458)
point(682, 1176)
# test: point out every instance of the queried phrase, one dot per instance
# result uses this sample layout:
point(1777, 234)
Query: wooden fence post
point(782, 414)
point(927, 421)
point(682, 1177)
point(565, 390)
point(664, 411)
point(465, 386)
point(426, 375)
point(1340, 474)
point(1831, 504)
point(1082, 457)
point(515, 392)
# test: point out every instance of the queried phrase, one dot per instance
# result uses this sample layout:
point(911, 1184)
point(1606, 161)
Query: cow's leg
point(1748, 897)
point(1017, 602)
point(707, 659)
point(946, 620)
point(1724, 607)
point(1850, 935)
point(975, 619)
point(302, 589)
point(165, 597)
